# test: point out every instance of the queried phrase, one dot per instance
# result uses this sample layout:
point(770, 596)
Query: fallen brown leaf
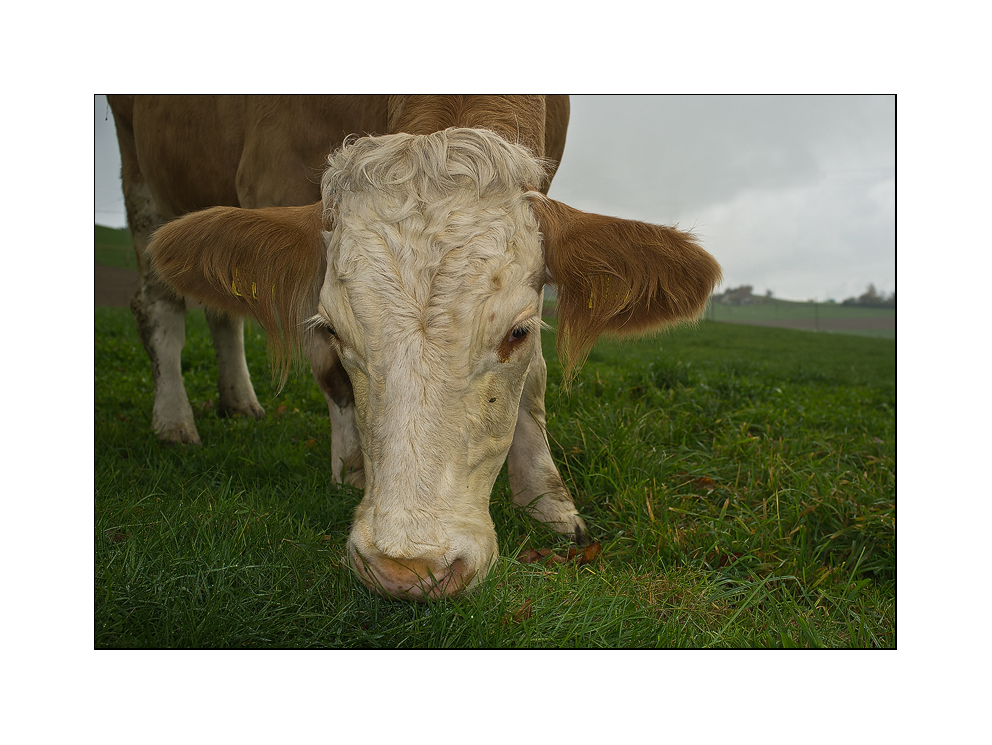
point(524, 611)
point(718, 559)
point(591, 552)
point(528, 556)
point(579, 555)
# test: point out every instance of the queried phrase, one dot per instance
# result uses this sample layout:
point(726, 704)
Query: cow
point(413, 283)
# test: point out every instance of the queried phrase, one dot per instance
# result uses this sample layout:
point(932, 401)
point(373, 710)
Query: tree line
point(744, 295)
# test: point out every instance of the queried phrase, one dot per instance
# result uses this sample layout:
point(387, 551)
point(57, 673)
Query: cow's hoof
point(179, 436)
point(580, 536)
point(255, 411)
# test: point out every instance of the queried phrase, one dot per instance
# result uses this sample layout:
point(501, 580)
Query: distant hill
point(112, 236)
point(808, 316)
point(113, 247)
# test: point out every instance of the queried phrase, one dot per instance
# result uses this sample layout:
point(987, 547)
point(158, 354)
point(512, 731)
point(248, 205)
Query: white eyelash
point(534, 323)
point(315, 322)
point(319, 322)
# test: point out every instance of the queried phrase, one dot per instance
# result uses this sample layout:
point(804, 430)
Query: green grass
point(740, 479)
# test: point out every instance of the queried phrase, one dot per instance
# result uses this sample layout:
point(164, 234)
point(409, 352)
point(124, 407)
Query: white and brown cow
point(414, 286)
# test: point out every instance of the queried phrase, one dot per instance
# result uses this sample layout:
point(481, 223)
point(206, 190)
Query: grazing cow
point(414, 285)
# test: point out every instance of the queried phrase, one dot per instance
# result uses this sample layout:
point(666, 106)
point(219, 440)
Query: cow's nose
point(411, 579)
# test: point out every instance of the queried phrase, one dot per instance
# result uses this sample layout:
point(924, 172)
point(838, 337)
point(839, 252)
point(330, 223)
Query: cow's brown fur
point(538, 123)
point(268, 263)
point(619, 276)
point(240, 151)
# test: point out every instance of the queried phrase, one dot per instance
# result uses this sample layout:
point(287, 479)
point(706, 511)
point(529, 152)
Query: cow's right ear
point(264, 263)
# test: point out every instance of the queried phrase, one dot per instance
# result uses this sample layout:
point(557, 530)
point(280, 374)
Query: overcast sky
point(793, 194)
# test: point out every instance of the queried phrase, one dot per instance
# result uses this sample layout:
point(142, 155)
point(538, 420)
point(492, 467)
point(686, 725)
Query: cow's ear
point(264, 263)
point(619, 276)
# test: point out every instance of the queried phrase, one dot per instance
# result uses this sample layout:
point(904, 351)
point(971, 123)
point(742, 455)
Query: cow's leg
point(347, 462)
point(159, 314)
point(534, 479)
point(346, 450)
point(236, 395)
point(161, 320)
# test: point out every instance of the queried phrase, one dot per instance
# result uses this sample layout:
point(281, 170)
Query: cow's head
point(423, 268)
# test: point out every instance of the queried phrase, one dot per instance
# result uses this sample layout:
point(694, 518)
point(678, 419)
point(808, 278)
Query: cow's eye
point(512, 340)
point(319, 323)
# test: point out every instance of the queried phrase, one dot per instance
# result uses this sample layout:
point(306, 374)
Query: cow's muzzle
point(413, 579)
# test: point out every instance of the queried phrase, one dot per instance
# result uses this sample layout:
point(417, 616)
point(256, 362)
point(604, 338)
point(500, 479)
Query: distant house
point(742, 295)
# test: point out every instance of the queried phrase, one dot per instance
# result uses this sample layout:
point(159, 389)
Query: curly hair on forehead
point(428, 210)
point(428, 167)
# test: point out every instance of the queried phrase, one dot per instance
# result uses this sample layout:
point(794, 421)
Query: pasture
point(833, 318)
point(740, 481)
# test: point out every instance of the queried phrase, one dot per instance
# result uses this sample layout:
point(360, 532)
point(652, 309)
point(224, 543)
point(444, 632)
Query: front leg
point(347, 462)
point(536, 485)
point(236, 394)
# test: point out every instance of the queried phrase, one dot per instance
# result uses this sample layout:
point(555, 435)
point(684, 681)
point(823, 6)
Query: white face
point(433, 292)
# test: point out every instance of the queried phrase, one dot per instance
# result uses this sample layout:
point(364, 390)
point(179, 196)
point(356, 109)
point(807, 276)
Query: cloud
point(792, 193)
point(815, 241)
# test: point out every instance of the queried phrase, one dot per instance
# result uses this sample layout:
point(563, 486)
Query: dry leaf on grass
point(524, 611)
point(521, 614)
point(579, 555)
point(718, 559)
point(700, 482)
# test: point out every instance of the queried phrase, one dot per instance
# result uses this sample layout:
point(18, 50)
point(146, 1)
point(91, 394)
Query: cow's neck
point(517, 119)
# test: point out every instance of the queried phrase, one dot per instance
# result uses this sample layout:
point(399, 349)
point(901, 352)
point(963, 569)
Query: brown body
point(196, 152)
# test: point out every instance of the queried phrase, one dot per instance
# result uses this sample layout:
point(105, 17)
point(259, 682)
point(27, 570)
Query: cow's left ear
point(619, 276)
point(265, 263)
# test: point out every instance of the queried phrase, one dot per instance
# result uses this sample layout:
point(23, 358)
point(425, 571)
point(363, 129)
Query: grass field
point(741, 481)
